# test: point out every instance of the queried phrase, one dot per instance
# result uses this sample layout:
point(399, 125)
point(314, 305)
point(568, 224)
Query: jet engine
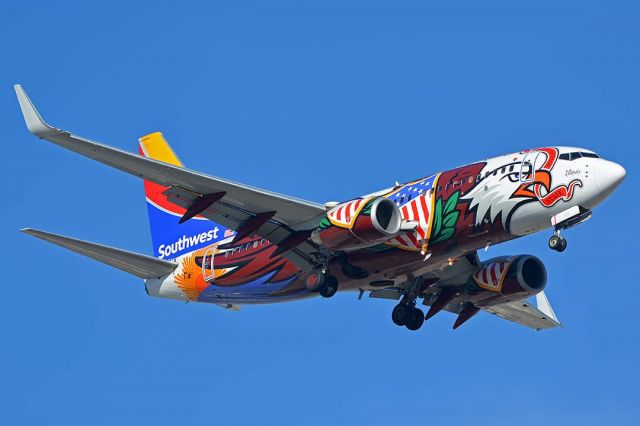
point(359, 223)
point(507, 278)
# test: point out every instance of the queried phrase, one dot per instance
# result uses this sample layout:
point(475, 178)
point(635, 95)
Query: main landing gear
point(406, 314)
point(325, 284)
point(556, 242)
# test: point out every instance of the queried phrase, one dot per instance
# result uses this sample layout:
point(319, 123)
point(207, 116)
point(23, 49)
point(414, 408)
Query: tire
point(555, 242)
point(315, 281)
point(563, 245)
point(401, 314)
point(416, 320)
point(330, 286)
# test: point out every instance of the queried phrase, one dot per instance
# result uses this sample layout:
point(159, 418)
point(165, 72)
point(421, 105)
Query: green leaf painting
point(324, 223)
point(444, 219)
point(366, 211)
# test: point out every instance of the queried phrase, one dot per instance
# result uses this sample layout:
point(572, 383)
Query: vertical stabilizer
point(170, 238)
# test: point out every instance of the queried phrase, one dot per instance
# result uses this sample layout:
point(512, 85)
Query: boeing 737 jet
point(222, 242)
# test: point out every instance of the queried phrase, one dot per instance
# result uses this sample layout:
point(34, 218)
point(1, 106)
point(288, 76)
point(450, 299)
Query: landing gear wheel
point(315, 281)
point(401, 314)
point(416, 320)
point(557, 243)
point(330, 286)
point(563, 245)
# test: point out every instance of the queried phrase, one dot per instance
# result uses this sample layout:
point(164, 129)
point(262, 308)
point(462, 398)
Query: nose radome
point(609, 175)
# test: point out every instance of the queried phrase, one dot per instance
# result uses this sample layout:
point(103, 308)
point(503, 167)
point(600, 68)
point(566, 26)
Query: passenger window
point(502, 170)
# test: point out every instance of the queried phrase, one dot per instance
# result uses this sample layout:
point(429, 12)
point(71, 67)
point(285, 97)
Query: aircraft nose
point(609, 175)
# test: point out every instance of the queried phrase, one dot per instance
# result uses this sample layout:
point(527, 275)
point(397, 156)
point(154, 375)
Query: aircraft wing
point(137, 264)
point(524, 313)
point(237, 206)
point(521, 312)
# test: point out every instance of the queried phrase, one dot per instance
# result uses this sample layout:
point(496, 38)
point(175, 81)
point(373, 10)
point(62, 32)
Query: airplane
point(222, 242)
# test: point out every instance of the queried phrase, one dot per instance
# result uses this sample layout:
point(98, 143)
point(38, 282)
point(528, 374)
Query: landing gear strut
point(556, 242)
point(406, 314)
point(322, 282)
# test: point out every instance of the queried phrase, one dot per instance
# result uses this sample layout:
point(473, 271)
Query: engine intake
point(359, 223)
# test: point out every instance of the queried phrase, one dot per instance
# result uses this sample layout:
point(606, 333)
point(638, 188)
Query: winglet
point(32, 118)
point(545, 307)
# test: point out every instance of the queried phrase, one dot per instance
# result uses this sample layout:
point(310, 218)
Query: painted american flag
point(415, 200)
point(345, 214)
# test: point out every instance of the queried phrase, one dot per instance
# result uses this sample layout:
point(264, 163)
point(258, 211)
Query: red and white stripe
point(416, 210)
point(490, 276)
point(344, 214)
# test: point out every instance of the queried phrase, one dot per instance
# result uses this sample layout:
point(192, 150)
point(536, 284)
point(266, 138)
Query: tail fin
point(171, 239)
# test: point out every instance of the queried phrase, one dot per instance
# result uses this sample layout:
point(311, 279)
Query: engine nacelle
point(359, 223)
point(507, 278)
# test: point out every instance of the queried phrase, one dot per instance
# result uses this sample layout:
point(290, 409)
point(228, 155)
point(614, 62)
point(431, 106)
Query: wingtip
point(32, 117)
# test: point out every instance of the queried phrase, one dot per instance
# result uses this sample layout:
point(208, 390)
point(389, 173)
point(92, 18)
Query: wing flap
point(137, 264)
point(233, 217)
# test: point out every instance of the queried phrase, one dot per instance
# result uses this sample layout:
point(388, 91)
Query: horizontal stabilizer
point(133, 263)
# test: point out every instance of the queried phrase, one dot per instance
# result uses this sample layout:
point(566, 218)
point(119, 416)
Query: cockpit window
point(570, 156)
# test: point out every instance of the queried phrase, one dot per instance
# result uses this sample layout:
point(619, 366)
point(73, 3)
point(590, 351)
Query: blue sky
point(324, 101)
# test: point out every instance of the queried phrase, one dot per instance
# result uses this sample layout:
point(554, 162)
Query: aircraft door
point(208, 273)
point(528, 166)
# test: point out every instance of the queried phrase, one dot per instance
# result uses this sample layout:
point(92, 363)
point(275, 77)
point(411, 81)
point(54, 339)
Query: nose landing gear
point(566, 219)
point(556, 242)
